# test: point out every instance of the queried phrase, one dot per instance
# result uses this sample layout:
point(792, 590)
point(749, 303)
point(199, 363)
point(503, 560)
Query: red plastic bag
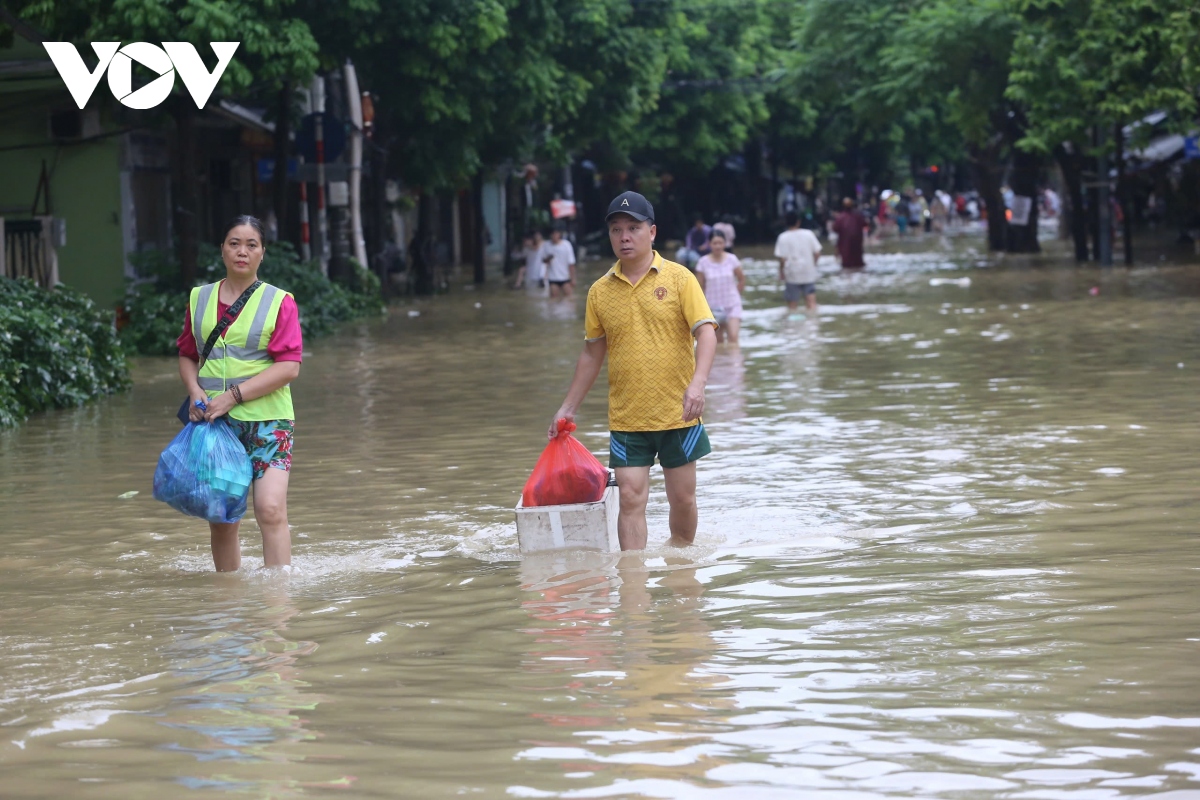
point(565, 473)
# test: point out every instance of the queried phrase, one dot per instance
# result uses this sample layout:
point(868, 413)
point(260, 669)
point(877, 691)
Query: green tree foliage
point(718, 65)
point(1079, 63)
point(57, 350)
point(468, 84)
point(275, 45)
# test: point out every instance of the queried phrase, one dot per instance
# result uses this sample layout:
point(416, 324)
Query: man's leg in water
point(633, 483)
point(681, 494)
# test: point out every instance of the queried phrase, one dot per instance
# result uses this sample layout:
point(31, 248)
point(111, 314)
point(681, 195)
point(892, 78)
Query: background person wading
point(798, 250)
point(723, 281)
point(246, 378)
point(650, 318)
point(559, 258)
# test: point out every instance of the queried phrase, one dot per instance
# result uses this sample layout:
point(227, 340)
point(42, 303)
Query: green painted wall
point(85, 185)
point(85, 190)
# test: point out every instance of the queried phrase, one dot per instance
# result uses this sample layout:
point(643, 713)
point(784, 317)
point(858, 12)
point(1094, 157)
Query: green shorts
point(674, 448)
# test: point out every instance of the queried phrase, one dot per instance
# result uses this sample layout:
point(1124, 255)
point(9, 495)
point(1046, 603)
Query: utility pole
point(319, 131)
point(1104, 211)
point(354, 103)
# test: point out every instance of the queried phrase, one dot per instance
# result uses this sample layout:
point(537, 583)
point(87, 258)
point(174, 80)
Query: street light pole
point(1104, 212)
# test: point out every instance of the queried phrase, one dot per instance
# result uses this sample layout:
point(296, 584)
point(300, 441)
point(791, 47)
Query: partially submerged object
point(583, 526)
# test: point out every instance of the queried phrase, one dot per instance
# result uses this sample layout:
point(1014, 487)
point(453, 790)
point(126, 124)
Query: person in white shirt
point(530, 275)
point(559, 257)
point(798, 250)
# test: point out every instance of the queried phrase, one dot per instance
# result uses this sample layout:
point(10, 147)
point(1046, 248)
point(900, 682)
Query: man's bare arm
point(587, 369)
point(706, 348)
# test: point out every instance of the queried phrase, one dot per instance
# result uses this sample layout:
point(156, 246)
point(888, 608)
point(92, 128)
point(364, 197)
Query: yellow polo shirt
point(650, 330)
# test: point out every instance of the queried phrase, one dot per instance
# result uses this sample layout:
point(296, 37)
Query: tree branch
point(23, 28)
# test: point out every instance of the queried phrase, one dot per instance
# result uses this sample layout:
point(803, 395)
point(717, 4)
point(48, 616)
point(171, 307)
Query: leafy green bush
point(57, 349)
point(155, 307)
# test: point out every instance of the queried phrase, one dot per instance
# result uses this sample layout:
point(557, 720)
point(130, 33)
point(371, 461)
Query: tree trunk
point(985, 163)
point(1123, 196)
point(1071, 164)
point(283, 128)
point(479, 228)
point(420, 256)
point(1024, 182)
point(187, 183)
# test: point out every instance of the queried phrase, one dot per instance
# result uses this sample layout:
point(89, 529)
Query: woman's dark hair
point(246, 219)
point(716, 234)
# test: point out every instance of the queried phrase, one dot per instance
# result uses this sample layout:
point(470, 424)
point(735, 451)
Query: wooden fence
point(27, 250)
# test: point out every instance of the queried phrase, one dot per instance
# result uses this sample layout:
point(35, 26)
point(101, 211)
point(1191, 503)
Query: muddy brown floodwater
point(948, 548)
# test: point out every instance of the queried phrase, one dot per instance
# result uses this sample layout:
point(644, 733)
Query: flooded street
point(947, 548)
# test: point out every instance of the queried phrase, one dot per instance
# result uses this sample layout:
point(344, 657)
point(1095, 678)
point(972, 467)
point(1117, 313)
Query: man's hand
point(693, 401)
point(562, 413)
point(219, 406)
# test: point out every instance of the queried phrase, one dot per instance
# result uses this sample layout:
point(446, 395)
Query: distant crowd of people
point(548, 267)
point(913, 211)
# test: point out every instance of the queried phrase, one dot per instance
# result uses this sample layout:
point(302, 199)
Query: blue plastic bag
point(205, 472)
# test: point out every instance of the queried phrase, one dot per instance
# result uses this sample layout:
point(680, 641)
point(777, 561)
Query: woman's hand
point(195, 413)
point(219, 406)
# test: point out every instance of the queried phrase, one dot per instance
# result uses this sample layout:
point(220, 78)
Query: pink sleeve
point(186, 342)
point(286, 343)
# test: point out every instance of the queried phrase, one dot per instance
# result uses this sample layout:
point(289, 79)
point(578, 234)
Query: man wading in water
point(644, 314)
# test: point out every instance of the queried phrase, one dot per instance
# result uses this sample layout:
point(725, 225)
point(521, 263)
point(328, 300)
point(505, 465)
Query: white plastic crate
point(583, 526)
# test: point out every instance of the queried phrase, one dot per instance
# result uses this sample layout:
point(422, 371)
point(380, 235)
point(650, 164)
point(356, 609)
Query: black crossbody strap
point(227, 318)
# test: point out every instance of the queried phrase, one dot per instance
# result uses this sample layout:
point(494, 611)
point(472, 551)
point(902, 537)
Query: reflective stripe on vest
point(240, 353)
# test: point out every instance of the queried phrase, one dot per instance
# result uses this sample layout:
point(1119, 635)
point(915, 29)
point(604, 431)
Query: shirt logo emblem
point(661, 293)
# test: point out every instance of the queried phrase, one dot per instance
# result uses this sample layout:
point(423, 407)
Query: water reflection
point(625, 638)
point(244, 695)
point(726, 395)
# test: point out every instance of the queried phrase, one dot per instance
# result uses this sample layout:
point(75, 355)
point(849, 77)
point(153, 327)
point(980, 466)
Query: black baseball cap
point(633, 204)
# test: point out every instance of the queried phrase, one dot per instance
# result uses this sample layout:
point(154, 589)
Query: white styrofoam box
point(586, 526)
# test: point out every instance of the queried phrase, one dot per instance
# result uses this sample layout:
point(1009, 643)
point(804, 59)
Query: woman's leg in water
point(270, 510)
point(732, 326)
point(226, 549)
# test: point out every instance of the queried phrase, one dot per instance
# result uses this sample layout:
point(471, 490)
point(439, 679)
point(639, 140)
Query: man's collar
point(655, 264)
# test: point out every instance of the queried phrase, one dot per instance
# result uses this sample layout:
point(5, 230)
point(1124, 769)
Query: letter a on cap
point(625, 202)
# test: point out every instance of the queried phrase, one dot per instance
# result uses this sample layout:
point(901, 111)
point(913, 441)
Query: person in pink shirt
point(723, 281)
point(246, 384)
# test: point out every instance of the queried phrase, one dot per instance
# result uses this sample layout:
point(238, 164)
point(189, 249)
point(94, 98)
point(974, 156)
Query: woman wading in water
point(246, 377)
